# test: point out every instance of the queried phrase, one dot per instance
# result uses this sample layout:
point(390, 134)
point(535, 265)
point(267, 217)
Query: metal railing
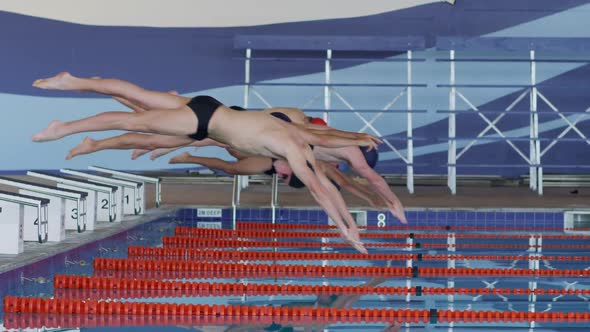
point(532, 46)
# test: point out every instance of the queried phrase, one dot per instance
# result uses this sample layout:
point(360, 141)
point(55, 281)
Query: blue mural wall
point(189, 48)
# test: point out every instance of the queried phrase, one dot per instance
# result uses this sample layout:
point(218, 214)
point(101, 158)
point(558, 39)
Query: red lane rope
point(61, 306)
point(218, 289)
point(243, 225)
point(226, 233)
point(225, 255)
point(182, 274)
point(469, 316)
point(239, 269)
point(194, 242)
point(143, 252)
point(96, 288)
point(507, 246)
point(277, 270)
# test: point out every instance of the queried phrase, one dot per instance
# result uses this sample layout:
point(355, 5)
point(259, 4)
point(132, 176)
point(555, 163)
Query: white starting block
point(99, 209)
point(134, 177)
point(130, 193)
point(12, 220)
point(56, 210)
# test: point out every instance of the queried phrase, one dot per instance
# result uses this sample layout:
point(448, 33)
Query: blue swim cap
point(370, 156)
point(281, 116)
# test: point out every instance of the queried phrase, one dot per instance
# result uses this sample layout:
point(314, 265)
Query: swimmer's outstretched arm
point(394, 205)
point(332, 141)
point(351, 186)
point(247, 166)
point(126, 142)
point(325, 130)
point(303, 164)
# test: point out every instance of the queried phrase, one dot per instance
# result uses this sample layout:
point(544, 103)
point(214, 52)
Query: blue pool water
point(37, 280)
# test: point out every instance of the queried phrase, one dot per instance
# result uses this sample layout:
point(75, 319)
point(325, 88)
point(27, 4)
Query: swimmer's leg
point(177, 122)
point(145, 99)
point(126, 142)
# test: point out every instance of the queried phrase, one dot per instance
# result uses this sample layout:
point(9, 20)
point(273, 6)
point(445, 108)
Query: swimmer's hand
point(368, 140)
point(351, 236)
point(359, 246)
point(377, 202)
point(369, 143)
point(397, 209)
point(375, 139)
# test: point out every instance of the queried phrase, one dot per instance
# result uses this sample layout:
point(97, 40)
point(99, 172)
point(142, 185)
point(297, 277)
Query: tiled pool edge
point(483, 217)
point(498, 217)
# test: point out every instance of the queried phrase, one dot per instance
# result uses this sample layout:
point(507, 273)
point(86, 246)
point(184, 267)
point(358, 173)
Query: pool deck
point(424, 197)
point(176, 194)
point(34, 252)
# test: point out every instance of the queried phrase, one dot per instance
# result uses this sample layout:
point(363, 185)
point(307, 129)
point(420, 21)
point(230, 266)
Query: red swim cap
point(318, 121)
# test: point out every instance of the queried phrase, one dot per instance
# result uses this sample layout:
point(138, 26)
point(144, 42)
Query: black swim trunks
point(281, 116)
point(203, 107)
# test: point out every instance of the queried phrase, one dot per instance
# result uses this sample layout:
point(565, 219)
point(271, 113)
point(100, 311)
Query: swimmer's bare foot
point(157, 153)
point(138, 153)
point(51, 133)
point(87, 146)
point(181, 158)
point(61, 81)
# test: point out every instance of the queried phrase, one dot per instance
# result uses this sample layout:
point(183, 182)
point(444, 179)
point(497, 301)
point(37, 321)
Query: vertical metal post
point(235, 200)
point(452, 159)
point(244, 179)
point(274, 197)
point(451, 245)
point(158, 193)
point(535, 127)
point(534, 259)
point(410, 139)
point(409, 263)
point(532, 145)
point(247, 77)
point(44, 219)
point(327, 92)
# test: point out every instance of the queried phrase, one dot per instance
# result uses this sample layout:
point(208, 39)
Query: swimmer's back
point(295, 114)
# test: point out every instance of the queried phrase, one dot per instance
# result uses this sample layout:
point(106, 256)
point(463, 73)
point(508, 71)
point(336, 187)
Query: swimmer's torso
point(251, 132)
